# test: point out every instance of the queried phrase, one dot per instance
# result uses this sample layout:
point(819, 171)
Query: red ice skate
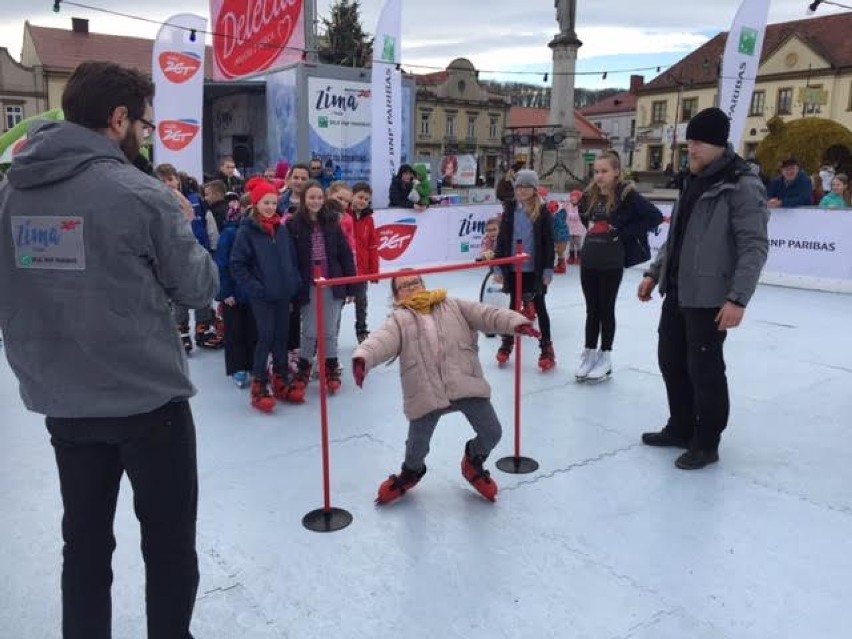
point(478, 477)
point(396, 486)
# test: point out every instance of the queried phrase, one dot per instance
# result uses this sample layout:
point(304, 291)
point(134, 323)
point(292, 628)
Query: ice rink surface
point(607, 540)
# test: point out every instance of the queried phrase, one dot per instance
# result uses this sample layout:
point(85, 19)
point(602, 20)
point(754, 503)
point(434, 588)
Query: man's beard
point(129, 145)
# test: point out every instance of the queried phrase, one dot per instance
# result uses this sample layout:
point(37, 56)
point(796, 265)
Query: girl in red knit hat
point(263, 262)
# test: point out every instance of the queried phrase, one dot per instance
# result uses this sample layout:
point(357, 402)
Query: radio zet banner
point(255, 36)
point(178, 73)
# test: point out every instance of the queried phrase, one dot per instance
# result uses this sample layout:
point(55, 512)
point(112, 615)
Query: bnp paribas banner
point(178, 72)
point(387, 104)
point(740, 64)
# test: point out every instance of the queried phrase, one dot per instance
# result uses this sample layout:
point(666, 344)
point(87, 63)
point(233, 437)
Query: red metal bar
point(519, 302)
point(450, 268)
point(319, 291)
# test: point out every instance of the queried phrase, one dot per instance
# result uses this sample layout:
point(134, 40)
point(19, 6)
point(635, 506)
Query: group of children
point(267, 244)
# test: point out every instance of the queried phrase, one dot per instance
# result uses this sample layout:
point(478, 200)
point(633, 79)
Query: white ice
point(607, 540)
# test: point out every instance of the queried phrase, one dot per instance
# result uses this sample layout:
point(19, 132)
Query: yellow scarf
point(423, 301)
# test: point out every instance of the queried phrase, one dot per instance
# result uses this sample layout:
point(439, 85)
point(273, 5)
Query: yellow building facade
point(805, 71)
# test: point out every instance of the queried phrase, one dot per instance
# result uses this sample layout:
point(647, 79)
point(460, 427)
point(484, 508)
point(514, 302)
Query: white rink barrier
point(808, 247)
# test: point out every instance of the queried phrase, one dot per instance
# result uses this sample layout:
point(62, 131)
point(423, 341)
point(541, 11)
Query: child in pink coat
point(576, 229)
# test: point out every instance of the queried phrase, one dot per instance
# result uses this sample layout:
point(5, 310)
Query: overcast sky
point(499, 35)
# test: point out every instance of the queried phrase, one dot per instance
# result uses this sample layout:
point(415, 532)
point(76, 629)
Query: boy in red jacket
point(366, 251)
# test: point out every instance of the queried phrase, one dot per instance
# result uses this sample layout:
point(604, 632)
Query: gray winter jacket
point(726, 241)
point(91, 252)
point(430, 383)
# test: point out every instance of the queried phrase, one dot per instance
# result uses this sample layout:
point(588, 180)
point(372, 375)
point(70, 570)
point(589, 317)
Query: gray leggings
point(479, 413)
point(332, 309)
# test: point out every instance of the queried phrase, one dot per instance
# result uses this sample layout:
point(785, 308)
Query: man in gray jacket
point(708, 269)
point(91, 252)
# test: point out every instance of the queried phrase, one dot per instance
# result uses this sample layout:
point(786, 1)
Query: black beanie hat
point(711, 126)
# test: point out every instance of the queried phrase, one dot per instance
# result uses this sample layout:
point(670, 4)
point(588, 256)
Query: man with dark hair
point(708, 270)
point(792, 188)
point(90, 337)
point(315, 169)
point(291, 196)
point(228, 175)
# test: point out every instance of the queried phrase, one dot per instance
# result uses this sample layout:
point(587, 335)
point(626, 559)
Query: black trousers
point(361, 308)
point(240, 338)
point(600, 288)
point(157, 451)
point(691, 358)
point(294, 335)
point(273, 330)
point(533, 288)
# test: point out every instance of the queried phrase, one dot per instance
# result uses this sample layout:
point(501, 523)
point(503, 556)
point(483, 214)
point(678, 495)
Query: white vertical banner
point(178, 72)
point(740, 64)
point(386, 102)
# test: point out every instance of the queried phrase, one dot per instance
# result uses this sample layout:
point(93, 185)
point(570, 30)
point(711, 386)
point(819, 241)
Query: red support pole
point(519, 305)
point(325, 519)
point(319, 291)
point(516, 464)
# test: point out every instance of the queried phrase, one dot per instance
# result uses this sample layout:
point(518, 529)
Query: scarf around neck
point(270, 224)
point(423, 301)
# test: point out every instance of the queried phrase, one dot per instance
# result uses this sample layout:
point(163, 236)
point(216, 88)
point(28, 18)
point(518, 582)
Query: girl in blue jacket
point(263, 263)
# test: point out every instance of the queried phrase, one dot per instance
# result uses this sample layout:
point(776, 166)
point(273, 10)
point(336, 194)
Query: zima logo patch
point(394, 239)
point(179, 66)
point(49, 242)
point(176, 135)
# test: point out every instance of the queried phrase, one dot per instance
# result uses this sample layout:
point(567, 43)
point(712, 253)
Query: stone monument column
point(565, 46)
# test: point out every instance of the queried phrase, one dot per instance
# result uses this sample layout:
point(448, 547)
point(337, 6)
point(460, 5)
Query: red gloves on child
point(359, 371)
point(527, 329)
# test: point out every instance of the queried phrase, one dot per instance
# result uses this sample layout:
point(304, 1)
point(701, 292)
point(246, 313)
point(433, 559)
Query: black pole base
point(321, 521)
point(517, 465)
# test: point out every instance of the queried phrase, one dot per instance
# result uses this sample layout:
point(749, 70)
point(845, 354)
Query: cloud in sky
point(493, 34)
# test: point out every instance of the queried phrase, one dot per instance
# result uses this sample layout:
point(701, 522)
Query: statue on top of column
point(566, 15)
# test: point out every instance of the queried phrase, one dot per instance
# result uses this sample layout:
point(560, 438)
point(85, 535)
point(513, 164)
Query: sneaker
point(694, 459)
point(261, 399)
point(602, 370)
point(478, 477)
point(664, 439)
point(547, 359)
point(241, 379)
point(396, 486)
point(587, 362)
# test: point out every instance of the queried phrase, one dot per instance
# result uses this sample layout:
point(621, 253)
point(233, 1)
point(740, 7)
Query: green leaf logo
point(748, 40)
point(323, 122)
point(26, 260)
point(389, 50)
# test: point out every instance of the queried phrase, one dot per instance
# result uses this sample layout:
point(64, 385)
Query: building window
point(689, 107)
point(598, 125)
point(14, 114)
point(615, 128)
point(493, 124)
point(471, 126)
point(655, 157)
point(810, 108)
point(658, 112)
point(758, 102)
point(425, 123)
point(451, 126)
point(784, 102)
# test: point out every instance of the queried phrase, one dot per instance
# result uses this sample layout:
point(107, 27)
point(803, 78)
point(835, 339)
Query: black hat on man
point(711, 126)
